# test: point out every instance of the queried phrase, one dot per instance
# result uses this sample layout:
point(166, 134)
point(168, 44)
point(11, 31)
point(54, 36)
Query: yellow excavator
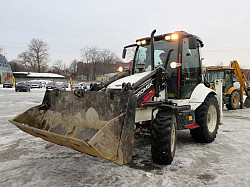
point(232, 96)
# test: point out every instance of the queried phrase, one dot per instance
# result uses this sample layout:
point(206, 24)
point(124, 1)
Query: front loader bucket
point(97, 123)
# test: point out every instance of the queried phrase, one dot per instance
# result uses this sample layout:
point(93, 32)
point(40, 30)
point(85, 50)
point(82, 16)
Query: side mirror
point(124, 53)
point(192, 43)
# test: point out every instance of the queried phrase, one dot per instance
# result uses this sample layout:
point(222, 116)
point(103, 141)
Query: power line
point(54, 46)
point(221, 50)
point(63, 33)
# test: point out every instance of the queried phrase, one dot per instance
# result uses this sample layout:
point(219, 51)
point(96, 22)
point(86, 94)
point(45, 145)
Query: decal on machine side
point(141, 91)
point(147, 97)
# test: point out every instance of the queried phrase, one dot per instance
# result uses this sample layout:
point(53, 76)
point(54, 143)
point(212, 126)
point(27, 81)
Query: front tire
point(207, 117)
point(234, 99)
point(163, 137)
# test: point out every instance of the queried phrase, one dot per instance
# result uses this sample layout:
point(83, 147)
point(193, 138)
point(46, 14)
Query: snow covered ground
point(29, 161)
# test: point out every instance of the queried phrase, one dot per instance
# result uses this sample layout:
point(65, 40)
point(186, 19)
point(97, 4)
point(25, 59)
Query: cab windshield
point(162, 48)
point(212, 75)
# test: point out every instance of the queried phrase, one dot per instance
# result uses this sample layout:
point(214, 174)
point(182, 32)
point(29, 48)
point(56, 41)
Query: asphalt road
point(29, 161)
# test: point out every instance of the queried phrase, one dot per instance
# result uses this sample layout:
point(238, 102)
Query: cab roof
point(182, 34)
point(219, 68)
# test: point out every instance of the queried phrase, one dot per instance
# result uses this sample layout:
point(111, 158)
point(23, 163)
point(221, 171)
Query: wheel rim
point(173, 137)
point(235, 100)
point(211, 118)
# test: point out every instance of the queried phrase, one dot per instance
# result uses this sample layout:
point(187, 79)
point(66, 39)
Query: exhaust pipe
point(152, 42)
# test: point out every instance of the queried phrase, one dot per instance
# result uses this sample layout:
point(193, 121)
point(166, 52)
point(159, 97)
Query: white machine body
point(198, 95)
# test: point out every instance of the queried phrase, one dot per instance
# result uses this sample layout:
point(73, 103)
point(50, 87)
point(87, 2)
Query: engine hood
point(132, 79)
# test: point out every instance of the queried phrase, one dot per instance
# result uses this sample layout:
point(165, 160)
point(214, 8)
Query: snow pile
point(51, 75)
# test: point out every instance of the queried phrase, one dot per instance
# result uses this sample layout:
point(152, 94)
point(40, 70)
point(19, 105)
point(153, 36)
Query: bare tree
point(92, 56)
point(73, 67)
point(28, 61)
point(36, 56)
point(58, 65)
point(108, 60)
point(109, 57)
point(98, 62)
point(17, 66)
point(130, 53)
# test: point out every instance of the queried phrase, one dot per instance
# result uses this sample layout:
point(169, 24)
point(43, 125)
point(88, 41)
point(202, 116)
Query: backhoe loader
point(232, 96)
point(164, 94)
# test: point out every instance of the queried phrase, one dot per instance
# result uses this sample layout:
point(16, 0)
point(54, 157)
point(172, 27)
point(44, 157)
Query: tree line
point(94, 61)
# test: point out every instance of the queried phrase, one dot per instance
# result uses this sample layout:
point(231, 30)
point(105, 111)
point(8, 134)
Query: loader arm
point(243, 82)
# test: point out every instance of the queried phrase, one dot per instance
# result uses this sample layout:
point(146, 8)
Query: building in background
point(247, 73)
point(102, 78)
point(5, 70)
point(28, 76)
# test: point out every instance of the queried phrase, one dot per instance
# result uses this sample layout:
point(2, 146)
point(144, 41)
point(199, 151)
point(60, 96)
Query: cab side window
point(191, 69)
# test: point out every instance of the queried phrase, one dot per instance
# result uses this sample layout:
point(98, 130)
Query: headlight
point(173, 65)
point(120, 69)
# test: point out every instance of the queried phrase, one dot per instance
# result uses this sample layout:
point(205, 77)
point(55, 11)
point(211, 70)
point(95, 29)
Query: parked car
point(8, 84)
point(87, 85)
point(35, 84)
point(76, 86)
point(59, 86)
point(22, 87)
point(43, 83)
point(50, 85)
point(66, 84)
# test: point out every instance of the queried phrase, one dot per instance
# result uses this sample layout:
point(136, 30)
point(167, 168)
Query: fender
point(229, 92)
point(199, 94)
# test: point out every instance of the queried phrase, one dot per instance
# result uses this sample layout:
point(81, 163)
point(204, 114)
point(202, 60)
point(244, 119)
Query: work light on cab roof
point(141, 42)
point(168, 37)
point(171, 37)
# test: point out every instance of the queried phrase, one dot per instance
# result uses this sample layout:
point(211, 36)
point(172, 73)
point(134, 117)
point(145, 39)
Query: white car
point(35, 84)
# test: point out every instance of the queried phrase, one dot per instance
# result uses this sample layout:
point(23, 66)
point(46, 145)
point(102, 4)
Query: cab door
point(228, 80)
point(191, 69)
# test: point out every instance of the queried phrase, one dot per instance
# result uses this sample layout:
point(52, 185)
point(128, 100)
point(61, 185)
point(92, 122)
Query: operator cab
point(178, 54)
point(225, 73)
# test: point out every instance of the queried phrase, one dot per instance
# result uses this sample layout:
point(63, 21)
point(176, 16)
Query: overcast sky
point(69, 25)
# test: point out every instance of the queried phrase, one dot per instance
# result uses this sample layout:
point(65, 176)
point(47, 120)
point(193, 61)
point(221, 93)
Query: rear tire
point(207, 117)
point(163, 138)
point(234, 99)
